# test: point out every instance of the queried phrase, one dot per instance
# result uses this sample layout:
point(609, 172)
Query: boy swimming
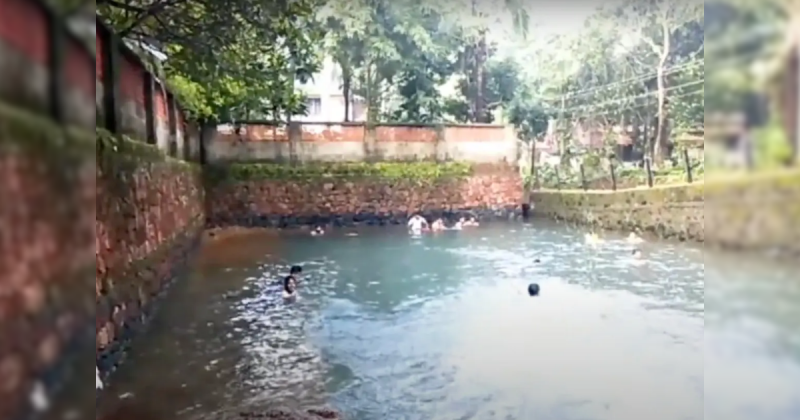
point(290, 282)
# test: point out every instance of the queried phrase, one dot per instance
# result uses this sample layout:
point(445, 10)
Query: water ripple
point(440, 327)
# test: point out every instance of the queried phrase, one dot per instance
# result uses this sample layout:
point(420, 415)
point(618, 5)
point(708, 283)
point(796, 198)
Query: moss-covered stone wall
point(760, 212)
point(751, 211)
point(150, 215)
point(65, 193)
point(272, 195)
point(669, 212)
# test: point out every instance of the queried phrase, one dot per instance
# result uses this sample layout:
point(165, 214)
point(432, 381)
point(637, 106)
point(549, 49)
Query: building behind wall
point(325, 99)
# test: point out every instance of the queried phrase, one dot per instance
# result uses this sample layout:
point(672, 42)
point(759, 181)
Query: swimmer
point(533, 289)
point(290, 282)
point(634, 239)
point(637, 259)
point(317, 231)
point(438, 226)
point(417, 224)
point(593, 239)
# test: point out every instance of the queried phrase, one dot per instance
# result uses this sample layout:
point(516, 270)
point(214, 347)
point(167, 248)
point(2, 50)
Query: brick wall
point(25, 58)
point(308, 142)
point(25, 55)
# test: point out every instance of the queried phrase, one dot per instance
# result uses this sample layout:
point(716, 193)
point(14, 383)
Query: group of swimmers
point(418, 224)
point(633, 239)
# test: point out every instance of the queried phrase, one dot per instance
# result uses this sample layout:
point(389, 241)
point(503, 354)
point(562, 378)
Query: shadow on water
point(440, 327)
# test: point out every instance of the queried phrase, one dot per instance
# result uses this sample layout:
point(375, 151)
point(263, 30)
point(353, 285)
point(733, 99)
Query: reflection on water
point(440, 327)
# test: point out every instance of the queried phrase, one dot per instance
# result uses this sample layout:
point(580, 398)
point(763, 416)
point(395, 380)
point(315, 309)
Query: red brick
point(23, 27)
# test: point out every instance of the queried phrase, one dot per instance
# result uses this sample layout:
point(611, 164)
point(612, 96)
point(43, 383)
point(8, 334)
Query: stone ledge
point(754, 212)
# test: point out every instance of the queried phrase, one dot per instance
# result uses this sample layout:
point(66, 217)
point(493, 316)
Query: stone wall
point(757, 212)
point(46, 229)
point(669, 212)
point(313, 199)
point(149, 222)
point(750, 212)
point(60, 190)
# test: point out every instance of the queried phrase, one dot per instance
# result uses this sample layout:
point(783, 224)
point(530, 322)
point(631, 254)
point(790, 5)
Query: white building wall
point(325, 99)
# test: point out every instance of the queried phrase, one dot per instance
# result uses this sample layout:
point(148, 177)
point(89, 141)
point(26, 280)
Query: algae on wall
point(426, 172)
point(748, 211)
point(667, 211)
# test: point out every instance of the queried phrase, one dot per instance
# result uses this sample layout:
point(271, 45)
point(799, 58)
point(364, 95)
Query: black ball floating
point(533, 289)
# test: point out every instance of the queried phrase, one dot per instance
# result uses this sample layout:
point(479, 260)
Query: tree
point(228, 58)
point(619, 76)
point(503, 84)
point(475, 18)
point(391, 48)
point(764, 34)
point(660, 25)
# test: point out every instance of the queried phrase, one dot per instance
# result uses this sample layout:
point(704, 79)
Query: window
point(314, 106)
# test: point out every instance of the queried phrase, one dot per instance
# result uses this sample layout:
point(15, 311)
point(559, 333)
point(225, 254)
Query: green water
point(439, 327)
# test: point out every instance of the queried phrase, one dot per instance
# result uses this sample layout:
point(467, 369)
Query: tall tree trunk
point(373, 94)
point(470, 57)
point(662, 131)
point(481, 82)
point(791, 105)
point(347, 81)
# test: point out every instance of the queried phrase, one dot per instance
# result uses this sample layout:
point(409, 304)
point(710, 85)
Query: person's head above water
point(533, 289)
point(290, 281)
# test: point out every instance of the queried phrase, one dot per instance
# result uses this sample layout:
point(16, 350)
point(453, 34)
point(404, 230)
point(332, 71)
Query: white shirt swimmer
point(417, 224)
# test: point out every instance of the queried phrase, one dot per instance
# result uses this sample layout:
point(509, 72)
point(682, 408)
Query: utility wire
point(747, 37)
point(640, 78)
point(628, 98)
point(634, 106)
point(729, 62)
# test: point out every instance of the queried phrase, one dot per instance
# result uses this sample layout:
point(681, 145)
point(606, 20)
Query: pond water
point(440, 327)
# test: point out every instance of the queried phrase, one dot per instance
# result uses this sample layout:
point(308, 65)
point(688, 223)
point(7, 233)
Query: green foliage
point(503, 86)
point(62, 151)
point(122, 150)
point(400, 171)
point(529, 115)
point(397, 55)
point(606, 75)
point(772, 147)
point(391, 51)
point(229, 60)
point(597, 175)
